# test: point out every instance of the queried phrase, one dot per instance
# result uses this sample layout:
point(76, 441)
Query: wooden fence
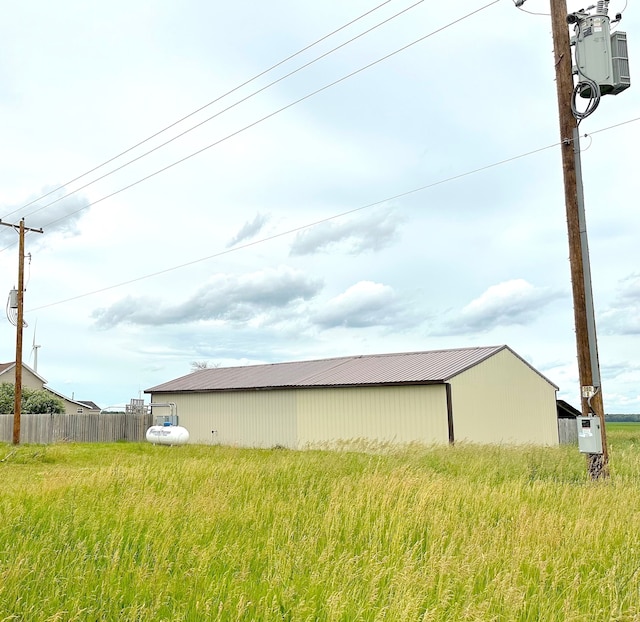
point(85, 428)
point(108, 428)
point(567, 431)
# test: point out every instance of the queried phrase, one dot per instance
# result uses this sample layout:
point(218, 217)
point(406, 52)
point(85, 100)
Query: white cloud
point(622, 317)
point(511, 302)
point(225, 298)
point(249, 230)
point(371, 231)
point(361, 305)
point(60, 217)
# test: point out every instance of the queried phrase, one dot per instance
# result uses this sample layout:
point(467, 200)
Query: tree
point(34, 401)
point(7, 398)
point(41, 401)
point(198, 365)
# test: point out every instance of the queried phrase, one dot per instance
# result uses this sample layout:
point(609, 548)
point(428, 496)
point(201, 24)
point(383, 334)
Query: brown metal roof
point(434, 366)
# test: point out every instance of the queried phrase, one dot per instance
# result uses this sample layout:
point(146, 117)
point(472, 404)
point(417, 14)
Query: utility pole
point(19, 326)
point(588, 365)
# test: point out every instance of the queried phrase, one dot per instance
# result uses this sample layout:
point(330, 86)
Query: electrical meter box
point(589, 435)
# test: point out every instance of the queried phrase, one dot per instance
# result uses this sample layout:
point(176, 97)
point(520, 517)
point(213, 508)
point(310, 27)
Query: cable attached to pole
point(584, 83)
point(594, 97)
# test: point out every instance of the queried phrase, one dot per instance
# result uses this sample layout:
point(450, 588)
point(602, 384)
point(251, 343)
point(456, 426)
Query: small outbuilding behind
point(479, 395)
point(567, 428)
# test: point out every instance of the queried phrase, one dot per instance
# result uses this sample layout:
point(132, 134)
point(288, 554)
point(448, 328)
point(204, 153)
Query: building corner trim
point(447, 386)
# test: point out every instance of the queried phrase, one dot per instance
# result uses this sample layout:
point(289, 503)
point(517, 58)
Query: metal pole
point(584, 244)
point(586, 340)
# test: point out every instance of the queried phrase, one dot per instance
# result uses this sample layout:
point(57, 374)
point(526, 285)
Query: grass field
point(136, 532)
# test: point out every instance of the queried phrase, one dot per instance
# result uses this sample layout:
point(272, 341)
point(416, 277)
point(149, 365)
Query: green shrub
point(34, 401)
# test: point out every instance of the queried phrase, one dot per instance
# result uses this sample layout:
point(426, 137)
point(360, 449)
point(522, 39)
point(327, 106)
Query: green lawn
point(137, 532)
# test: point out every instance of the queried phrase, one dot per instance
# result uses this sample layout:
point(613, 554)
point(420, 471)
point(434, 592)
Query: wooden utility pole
point(588, 365)
point(19, 326)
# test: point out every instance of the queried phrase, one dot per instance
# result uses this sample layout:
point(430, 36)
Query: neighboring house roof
point(68, 399)
point(5, 367)
point(89, 404)
point(566, 411)
point(434, 366)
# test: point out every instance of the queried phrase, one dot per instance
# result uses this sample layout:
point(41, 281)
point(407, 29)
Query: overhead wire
point(301, 228)
point(616, 22)
point(610, 127)
point(589, 145)
point(519, 7)
point(533, 12)
point(321, 221)
point(272, 114)
point(201, 108)
point(217, 114)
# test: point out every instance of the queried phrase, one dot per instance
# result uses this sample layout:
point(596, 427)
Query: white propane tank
point(167, 435)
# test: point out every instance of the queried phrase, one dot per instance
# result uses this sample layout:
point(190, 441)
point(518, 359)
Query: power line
point(272, 114)
point(217, 99)
point(323, 220)
point(519, 7)
point(300, 228)
point(610, 127)
point(217, 114)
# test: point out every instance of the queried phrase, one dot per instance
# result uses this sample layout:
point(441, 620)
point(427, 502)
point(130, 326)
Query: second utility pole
point(19, 326)
point(588, 365)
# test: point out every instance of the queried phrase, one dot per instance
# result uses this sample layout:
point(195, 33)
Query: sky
point(315, 211)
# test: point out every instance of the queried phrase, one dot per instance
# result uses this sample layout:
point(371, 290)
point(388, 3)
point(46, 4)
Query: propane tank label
point(162, 432)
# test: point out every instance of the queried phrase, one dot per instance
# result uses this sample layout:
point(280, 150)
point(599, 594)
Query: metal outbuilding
point(480, 395)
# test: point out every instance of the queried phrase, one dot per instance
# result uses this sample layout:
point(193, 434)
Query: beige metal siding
point(380, 414)
point(502, 400)
point(304, 417)
point(242, 418)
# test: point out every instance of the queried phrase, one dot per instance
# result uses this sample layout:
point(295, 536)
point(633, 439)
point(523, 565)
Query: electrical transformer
point(589, 435)
point(599, 55)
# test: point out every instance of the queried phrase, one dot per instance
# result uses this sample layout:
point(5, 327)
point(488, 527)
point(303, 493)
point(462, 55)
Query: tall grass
point(136, 532)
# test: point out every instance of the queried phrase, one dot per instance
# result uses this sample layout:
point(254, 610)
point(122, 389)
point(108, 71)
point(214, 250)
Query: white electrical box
point(589, 435)
point(600, 55)
point(593, 52)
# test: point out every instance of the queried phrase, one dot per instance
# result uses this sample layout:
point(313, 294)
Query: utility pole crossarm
point(17, 227)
